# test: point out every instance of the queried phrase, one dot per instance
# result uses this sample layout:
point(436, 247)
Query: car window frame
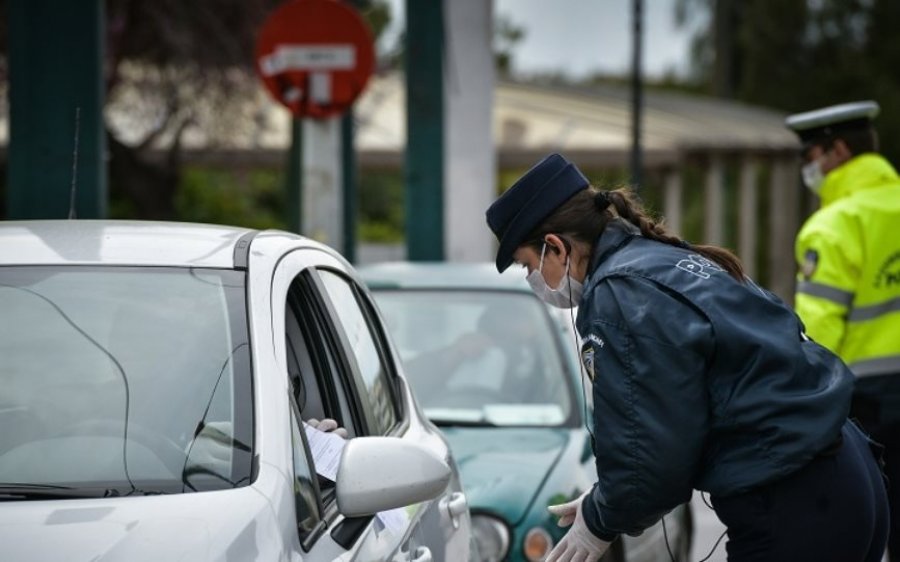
point(323, 353)
point(378, 332)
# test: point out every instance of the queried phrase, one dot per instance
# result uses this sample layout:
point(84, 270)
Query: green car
point(498, 371)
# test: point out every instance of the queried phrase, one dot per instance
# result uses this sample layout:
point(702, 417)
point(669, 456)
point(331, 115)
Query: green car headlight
point(491, 537)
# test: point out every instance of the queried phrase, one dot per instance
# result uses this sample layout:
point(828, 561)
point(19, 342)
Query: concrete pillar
point(748, 217)
point(714, 208)
point(470, 162)
point(674, 187)
point(784, 200)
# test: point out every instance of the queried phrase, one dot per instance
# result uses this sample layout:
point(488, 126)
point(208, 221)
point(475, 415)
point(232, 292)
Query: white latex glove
point(579, 544)
point(327, 425)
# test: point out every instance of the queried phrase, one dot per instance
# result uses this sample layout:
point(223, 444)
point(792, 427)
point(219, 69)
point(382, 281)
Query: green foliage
point(507, 36)
point(254, 198)
point(381, 209)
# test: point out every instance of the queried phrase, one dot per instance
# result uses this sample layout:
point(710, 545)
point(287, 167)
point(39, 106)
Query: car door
point(325, 380)
point(435, 533)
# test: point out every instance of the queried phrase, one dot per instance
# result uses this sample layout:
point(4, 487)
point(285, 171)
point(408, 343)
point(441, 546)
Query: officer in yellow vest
point(848, 290)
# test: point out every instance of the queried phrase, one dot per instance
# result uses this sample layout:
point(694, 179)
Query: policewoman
point(701, 380)
point(848, 252)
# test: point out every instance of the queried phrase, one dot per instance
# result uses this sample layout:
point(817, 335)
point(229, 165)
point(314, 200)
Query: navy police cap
point(822, 124)
point(534, 196)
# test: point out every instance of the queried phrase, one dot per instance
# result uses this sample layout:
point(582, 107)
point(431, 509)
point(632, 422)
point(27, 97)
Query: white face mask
point(813, 176)
point(566, 295)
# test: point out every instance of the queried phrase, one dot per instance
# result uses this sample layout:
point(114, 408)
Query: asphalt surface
point(707, 529)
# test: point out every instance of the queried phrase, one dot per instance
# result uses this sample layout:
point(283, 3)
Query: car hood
point(502, 469)
point(198, 526)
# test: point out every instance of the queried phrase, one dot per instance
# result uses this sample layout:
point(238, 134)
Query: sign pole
point(294, 183)
point(351, 191)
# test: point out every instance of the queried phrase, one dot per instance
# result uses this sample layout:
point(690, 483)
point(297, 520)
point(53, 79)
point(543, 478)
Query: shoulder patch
point(587, 359)
point(810, 263)
point(588, 344)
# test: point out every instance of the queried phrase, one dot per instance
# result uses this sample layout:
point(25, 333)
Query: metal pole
point(348, 159)
point(637, 96)
point(424, 170)
point(294, 180)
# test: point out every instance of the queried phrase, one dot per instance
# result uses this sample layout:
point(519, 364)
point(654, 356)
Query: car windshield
point(123, 380)
point(480, 357)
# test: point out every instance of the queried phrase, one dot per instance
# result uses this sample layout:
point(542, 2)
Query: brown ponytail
point(585, 215)
point(627, 207)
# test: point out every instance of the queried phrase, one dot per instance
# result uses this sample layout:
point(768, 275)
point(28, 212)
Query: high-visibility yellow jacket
point(848, 290)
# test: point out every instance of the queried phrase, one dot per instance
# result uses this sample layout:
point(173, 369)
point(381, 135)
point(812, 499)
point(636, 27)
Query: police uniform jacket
point(699, 381)
point(848, 291)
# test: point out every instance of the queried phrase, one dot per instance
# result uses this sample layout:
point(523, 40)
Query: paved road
point(707, 529)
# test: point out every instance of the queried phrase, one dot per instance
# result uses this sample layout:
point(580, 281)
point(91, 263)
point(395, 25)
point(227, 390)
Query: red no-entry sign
point(315, 56)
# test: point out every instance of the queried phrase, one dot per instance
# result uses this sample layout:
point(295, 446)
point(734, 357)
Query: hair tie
point(601, 200)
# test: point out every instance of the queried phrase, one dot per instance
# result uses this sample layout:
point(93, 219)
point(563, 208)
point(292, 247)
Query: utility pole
point(637, 95)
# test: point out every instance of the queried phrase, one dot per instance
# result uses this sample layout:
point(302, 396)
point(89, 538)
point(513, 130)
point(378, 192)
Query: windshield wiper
point(18, 491)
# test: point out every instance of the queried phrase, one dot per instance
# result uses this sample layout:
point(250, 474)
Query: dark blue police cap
point(522, 208)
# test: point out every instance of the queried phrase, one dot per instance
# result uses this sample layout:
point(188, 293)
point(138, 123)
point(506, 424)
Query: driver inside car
point(500, 356)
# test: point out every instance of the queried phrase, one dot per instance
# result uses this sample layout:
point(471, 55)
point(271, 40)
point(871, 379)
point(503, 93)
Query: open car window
point(368, 352)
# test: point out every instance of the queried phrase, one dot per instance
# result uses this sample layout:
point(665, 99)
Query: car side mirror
point(382, 473)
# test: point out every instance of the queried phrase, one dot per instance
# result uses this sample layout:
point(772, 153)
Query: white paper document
point(394, 520)
point(326, 451)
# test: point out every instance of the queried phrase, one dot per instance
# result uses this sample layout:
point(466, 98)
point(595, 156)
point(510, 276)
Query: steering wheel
point(161, 445)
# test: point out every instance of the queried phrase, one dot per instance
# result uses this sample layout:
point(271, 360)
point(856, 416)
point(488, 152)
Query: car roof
point(442, 275)
point(142, 243)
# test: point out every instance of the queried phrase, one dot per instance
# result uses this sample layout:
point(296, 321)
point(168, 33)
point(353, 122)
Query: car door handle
point(456, 505)
point(423, 554)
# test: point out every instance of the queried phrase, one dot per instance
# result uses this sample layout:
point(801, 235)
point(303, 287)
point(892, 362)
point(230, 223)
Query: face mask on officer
point(813, 175)
point(566, 294)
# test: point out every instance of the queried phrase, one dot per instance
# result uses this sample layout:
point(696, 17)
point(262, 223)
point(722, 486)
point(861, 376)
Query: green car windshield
point(489, 358)
point(123, 380)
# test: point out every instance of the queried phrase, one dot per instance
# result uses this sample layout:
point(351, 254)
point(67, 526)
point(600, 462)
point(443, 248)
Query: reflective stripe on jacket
point(848, 288)
point(699, 381)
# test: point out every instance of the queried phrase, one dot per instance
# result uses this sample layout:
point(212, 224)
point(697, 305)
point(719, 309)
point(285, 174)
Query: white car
point(156, 379)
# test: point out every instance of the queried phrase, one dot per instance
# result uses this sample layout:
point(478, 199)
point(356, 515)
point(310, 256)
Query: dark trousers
point(832, 510)
point(890, 437)
point(876, 406)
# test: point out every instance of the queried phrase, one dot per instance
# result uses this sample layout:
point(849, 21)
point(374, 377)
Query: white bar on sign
point(320, 87)
point(308, 57)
